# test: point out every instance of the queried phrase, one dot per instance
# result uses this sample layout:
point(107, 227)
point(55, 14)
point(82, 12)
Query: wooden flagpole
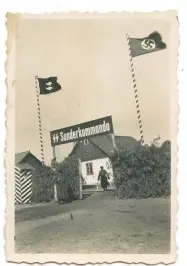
point(135, 92)
point(39, 119)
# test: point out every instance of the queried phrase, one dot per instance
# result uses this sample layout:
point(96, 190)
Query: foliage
point(65, 174)
point(143, 172)
point(42, 184)
point(68, 182)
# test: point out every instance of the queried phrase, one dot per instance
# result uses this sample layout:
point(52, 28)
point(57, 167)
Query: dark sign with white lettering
point(101, 126)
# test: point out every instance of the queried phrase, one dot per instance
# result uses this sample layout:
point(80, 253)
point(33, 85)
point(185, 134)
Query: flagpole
point(135, 92)
point(39, 120)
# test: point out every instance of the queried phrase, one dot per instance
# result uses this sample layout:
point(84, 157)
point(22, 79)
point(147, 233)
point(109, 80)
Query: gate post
point(55, 192)
point(53, 167)
point(115, 149)
point(113, 141)
point(80, 180)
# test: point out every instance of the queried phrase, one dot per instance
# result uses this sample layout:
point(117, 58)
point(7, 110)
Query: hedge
point(43, 184)
point(68, 182)
point(65, 174)
point(143, 172)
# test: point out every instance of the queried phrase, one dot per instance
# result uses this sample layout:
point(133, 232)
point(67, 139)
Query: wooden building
point(25, 165)
point(95, 152)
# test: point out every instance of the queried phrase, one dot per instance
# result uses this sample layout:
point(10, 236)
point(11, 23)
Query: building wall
point(23, 186)
point(17, 191)
point(92, 179)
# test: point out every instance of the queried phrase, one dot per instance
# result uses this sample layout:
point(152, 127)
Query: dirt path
point(101, 224)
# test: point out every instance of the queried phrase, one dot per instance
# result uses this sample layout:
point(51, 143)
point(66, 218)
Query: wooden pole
point(54, 154)
point(114, 147)
point(55, 192)
point(39, 120)
point(80, 180)
point(55, 184)
point(113, 141)
point(135, 92)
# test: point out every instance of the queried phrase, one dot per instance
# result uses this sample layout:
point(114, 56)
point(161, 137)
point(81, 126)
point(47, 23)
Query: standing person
point(103, 175)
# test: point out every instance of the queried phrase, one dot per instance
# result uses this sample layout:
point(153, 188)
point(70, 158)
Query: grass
point(101, 224)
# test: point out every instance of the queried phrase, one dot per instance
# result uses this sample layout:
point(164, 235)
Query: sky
point(91, 60)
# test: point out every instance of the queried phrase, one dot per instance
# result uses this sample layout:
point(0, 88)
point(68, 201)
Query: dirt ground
point(101, 224)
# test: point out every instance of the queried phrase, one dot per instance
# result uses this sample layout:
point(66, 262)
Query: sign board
point(85, 130)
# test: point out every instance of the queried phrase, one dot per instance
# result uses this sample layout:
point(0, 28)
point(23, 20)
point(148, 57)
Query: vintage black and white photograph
point(91, 137)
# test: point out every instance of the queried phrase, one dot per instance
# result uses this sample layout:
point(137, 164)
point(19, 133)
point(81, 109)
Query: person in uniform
point(103, 176)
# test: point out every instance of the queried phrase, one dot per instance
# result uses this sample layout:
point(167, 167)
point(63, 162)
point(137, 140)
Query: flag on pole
point(48, 85)
point(149, 44)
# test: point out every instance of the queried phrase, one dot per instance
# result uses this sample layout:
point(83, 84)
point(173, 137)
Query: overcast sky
point(91, 60)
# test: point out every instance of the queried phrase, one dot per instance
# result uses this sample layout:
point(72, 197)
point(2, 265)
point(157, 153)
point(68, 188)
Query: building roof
point(25, 166)
point(105, 145)
point(20, 156)
point(122, 142)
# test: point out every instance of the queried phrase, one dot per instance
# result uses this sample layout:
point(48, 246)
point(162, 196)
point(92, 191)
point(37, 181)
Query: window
point(86, 142)
point(89, 168)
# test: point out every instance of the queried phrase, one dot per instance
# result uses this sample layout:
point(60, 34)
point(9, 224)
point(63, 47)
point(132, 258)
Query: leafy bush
point(65, 174)
point(42, 184)
point(68, 183)
point(143, 172)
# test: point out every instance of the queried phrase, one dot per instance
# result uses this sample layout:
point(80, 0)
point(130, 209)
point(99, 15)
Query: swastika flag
point(48, 85)
point(149, 44)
